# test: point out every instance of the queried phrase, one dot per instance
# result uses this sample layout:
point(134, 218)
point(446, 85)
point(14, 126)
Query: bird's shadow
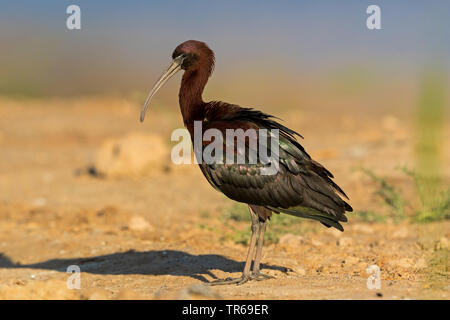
point(155, 262)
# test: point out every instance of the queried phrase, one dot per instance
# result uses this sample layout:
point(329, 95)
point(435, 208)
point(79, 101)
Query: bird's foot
point(237, 281)
point(258, 276)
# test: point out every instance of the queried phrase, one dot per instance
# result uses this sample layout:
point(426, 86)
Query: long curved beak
point(174, 67)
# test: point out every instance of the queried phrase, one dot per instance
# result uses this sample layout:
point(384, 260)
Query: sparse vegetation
point(279, 224)
point(370, 216)
point(432, 206)
point(434, 197)
point(390, 196)
point(237, 212)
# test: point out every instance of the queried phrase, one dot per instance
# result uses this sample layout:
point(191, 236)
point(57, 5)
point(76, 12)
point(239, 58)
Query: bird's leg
point(256, 273)
point(250, 254)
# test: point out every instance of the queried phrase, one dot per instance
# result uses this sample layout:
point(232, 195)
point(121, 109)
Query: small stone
point(135, 154)
point(39, 202)
point(344, 242)
point(421, 264)
point(400, 233)
point(350, 261)
point(442, 244)
point(299, 270)
point(19, 282)
point(364, 228)
point(138, 223)
point(291, 239)
point(316, 242)
point(404, 263)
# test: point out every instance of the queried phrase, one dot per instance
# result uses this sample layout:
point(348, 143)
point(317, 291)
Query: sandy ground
point(160, 235)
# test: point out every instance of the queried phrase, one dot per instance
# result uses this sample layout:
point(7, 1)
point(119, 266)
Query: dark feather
point(302, 187)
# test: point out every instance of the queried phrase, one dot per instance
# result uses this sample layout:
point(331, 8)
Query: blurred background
point(80, 177)
point(121, 47)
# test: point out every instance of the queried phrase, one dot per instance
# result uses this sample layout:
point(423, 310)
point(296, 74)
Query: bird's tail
point(326, 219)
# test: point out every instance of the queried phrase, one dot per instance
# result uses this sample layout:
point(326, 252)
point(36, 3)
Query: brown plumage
point(301, 187)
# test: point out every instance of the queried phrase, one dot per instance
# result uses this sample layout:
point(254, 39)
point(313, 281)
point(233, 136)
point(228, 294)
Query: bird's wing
point(301, 187)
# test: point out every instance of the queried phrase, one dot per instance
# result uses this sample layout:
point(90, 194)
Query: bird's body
point(301, 186)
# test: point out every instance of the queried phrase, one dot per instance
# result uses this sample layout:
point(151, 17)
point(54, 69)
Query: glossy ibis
point(300, 187)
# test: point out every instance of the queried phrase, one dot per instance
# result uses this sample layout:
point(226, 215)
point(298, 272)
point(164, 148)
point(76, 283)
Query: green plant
point(237, 212)
point(279, 224)
point(434, 198)
point(370, 216)
point(390, 196)
point(434, 204)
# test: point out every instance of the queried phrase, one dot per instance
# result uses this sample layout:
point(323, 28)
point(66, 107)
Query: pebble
point(138, 223)
point(442, 244)
point(364, 228)
point(405, 263)
point(291, 239)
point(344, 242)
point(421, 264)
point(400, 233)
point(299, 270)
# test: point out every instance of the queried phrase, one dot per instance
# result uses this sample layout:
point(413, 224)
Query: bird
point(300, 186)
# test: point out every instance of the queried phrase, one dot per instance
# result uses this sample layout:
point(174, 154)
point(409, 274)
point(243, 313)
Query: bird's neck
point(190, 96)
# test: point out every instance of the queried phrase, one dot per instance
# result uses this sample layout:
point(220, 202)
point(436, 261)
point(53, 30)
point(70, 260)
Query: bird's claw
point(237, 281)
point(258, 276)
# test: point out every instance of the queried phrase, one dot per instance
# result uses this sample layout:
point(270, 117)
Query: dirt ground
point(160, 235)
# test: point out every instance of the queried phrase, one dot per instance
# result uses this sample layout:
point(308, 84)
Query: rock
point(291, 239)
point(404, 263)
point(344, 242)
point(357, 151)
point(350, 261)
point(39, 202)
point(316, 242)
point(442, 244)
point(400, 233)
point(271, 272)
point(421, 264)
point(138, 223)
point(364, 228)
point(299, 270)
point(133, 155)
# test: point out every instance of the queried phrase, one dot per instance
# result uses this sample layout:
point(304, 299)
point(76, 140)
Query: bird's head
point(191, 56)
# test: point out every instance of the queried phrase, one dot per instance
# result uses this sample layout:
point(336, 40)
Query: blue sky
point(140, 35)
